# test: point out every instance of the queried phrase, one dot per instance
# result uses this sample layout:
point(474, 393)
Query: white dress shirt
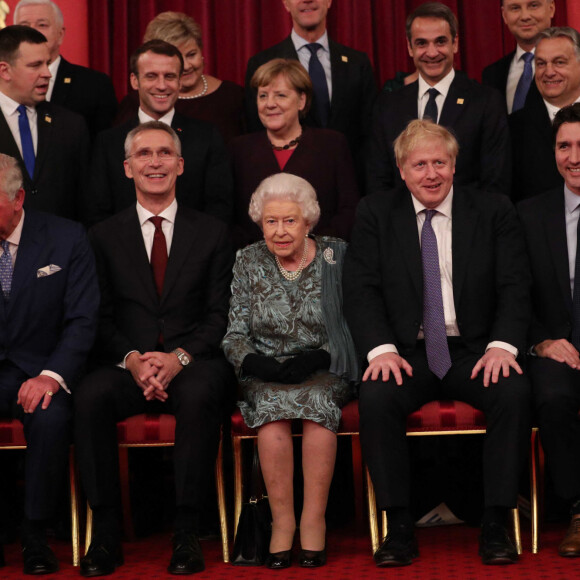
point(14, 241)
point(552, 109)
point(323, 54)
point(572, 203)
point(442, 86)
point(442, 226)
point(167, 118)
point(53, 68)
point(515, 72)
point(9, 110)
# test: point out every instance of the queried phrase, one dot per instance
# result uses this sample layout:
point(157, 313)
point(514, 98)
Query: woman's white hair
point(285, 187)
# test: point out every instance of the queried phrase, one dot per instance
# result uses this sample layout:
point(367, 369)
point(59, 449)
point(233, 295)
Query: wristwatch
point(182, 356)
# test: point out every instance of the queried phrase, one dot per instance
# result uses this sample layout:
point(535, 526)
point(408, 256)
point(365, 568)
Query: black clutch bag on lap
point(252, 542)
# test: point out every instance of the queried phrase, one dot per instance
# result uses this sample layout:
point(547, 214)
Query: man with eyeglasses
point(164, 271)
point(206, 182)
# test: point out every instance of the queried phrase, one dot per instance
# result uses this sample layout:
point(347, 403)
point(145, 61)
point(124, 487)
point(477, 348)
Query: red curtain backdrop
point(233, 30)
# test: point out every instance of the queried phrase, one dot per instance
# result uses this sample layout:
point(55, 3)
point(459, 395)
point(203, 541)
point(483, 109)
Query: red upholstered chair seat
point(445, 416)
point(147, 429)
point(12, 433)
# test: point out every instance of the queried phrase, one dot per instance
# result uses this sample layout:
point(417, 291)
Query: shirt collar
point(552, 109)
point(442, 86)
point(571, 200)
point(14, 237)
point(168, 213)
point(167, 118)
point(8, 105)
point(443, 208)
point(299, 42)
point(520, 52)
point(53, 67)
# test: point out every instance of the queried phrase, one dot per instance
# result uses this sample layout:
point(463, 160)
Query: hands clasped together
point(292, 371)
point(153, 372)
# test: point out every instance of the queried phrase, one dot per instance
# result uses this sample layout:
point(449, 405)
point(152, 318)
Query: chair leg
point(517, 530)
point(74, 509)
point(357, 478)
point(385, 524)
point(221, 495)
point(372, 508)
point(534, 508)
point(125, 493)
point(238, 483)
point(89, 528)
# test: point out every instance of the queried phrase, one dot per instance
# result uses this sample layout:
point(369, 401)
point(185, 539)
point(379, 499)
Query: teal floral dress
point(272, 316)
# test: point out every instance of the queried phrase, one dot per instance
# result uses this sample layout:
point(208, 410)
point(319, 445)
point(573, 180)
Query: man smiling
point(206, 183)
point(475, 113)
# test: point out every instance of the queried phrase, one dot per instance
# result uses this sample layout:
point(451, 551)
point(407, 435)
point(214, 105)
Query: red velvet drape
point(233, 30)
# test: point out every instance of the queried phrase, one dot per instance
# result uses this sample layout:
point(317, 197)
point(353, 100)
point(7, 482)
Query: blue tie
point(318, 78)
point(438, 356)
point(26, 140)
point(431, 110)
point(6, 269)
point(524, 83)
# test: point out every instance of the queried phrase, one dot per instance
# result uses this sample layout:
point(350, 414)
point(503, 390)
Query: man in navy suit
point(51, 143)
point(88, 92)
point(436, 293)
point(164, 270)
point(525, 20)
point(550, 223)
point(348, 76)
point(48, 318)
point(475, 114)
point(206, 182)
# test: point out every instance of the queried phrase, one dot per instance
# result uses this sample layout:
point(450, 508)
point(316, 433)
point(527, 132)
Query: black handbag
point(252, 543)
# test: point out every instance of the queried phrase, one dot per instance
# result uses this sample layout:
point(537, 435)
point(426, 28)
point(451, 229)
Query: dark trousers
point(384, 408)
point(556, 393)
point(47, 433)
point(197, 398)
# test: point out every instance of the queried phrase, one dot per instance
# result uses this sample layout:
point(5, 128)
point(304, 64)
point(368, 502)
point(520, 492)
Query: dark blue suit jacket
point(50, 322)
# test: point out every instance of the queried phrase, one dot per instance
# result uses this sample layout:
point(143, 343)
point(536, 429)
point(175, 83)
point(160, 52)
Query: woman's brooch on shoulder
point(329, 255)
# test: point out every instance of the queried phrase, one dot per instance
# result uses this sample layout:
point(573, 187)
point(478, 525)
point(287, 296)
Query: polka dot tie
point(6, 269)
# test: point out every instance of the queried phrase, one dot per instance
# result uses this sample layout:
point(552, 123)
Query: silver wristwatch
point(183, 358)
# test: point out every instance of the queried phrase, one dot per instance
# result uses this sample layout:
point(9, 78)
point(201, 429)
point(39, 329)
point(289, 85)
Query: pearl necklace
point(291, 276)
point(204, 81)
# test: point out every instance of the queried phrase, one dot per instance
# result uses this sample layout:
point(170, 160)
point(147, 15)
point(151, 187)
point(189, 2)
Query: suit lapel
point(62, 83)
point(10, 147)
point(464, 220)
point(555, 235)
point(45, 120)
point(339, 72)
point(456, 101)
point(404, 224)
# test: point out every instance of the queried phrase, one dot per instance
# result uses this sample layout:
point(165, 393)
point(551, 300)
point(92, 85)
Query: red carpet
point(448, 553)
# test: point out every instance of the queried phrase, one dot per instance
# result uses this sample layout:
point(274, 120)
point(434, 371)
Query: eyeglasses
point(145, 155)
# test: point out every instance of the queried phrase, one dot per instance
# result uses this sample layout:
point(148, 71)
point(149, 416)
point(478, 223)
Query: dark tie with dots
point(431, 110)
point(6, 269)
point(318, 78)
point(158, 254)
point(438, 356)
point(524, 83)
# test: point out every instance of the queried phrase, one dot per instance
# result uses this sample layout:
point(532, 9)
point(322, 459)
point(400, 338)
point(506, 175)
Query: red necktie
point(158, 254)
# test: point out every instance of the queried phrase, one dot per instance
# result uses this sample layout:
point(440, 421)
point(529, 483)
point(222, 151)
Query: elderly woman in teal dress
point(293, 354)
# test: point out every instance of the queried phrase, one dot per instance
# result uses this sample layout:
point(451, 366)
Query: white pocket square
point(48, 270)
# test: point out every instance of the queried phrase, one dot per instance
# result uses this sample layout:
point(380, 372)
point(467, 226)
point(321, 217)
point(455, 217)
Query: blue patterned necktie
point(431, 110)
point(436, 345)
point(524, 83)
point(318, 78)
point(26, 141)
point(6, 269)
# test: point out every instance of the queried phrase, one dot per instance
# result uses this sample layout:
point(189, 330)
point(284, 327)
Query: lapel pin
point(178, 129)
point(47, 119)
point(460, 101)
point(344, 58)
point(67, 80)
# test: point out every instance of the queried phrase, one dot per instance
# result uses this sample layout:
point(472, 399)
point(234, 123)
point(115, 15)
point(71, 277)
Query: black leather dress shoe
point(187, 557)
point(398, 549)
point(278, 560)
point(495, 546)
point(38, 557)
point(102, 558)
point(312, 558)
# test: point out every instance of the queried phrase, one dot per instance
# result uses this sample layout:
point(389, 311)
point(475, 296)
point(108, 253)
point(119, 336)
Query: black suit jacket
point(87, 92)
point(534, 165)
point(496, 74)
point(192, 312)
point(50, 322)
point(322, 158)
point(544, 223)
point(61, 160)
point(383, 277)
point(475, 114)
point(353, 91)
point(205, 185)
